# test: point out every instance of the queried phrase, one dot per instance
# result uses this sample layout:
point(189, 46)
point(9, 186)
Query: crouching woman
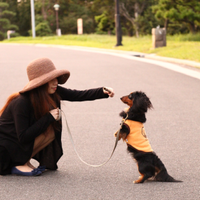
point(30, 124)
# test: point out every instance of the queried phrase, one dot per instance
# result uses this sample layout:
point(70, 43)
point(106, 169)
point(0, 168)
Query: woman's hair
point(10, 98)
point(42, 102)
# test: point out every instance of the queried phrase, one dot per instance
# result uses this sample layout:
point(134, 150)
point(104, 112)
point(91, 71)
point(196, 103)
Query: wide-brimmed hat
point(41, 71)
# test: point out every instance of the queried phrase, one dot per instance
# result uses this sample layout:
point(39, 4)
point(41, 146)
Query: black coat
point(19, 128)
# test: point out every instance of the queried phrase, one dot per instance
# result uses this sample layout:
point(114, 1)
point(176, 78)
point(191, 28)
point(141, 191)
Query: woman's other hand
point(109, 91)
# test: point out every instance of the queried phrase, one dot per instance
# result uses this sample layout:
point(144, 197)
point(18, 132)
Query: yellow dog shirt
point(137, 137)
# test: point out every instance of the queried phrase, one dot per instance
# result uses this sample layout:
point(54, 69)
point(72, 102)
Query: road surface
point(173, 127)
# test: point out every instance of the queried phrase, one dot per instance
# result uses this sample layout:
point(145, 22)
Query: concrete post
point(158, 37)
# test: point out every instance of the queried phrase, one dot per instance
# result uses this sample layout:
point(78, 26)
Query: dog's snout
point(126, 100)
point(123, 99)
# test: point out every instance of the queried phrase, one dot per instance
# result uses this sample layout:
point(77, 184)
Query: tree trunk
point(166, 23)
point(44, 14)
point(192, 28)
point(136, 6)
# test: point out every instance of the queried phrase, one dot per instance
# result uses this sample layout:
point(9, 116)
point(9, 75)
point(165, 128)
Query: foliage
point(137, 12)
point(69, 23)
point(103, 23)
point(43, 29)
point(179, 12)
point(137, 17)
point(24, 17)
point(5, 20)
point(104, 15)
point(1, 36)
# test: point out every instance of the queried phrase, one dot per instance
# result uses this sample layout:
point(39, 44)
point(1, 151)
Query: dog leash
point(70, 135)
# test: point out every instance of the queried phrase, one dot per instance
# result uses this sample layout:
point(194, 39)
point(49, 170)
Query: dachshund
point(133, 133)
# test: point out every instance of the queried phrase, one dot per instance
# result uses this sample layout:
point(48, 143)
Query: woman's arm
point(81, 95)
point(26, 131)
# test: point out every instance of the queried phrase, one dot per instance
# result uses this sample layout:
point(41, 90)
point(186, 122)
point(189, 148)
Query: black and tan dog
point(133, 132)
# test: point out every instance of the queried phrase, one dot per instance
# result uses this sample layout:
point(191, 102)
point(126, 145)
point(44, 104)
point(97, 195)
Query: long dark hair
point(42, 102)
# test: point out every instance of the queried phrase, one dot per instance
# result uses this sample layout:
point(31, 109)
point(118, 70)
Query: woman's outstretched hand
point(56, 114)
point(109, 91)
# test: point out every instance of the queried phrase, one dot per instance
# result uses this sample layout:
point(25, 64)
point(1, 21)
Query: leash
point(70, 135)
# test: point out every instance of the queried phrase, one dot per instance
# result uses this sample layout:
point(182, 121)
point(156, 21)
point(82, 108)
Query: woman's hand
point(109, 91)
point(56, 113)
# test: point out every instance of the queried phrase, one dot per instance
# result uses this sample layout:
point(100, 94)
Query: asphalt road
point(173, 127)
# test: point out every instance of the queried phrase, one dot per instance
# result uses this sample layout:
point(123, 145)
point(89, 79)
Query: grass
point(178, 46)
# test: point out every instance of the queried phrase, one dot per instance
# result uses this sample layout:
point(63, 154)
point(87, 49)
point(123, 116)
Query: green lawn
point(179, 46)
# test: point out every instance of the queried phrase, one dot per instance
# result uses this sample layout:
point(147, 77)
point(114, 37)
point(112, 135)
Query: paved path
point(172, 127)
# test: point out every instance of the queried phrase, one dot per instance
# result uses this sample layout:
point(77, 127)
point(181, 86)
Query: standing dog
point(133, 132)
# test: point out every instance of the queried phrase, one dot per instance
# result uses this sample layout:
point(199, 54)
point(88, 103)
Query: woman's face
point(52, 86)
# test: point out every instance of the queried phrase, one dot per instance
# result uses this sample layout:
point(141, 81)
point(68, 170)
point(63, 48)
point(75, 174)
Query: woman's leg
point(40, 143)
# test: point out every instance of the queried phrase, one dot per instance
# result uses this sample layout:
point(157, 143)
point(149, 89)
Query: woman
point(30, 125)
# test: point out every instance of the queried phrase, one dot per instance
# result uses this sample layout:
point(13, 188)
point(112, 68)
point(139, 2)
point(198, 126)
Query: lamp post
point(117, 24)
point(33, 18)
point(56, 7)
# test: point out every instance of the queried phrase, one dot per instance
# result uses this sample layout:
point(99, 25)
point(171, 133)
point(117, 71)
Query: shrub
point(43, 29)
point(14, 35)
point(103, 23)
point(1, 36)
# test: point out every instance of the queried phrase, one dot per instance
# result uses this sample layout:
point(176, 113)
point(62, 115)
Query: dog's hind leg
point(142, 178)
point(146, 171)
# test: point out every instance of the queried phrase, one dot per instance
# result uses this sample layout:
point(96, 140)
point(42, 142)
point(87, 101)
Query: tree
point(43, 29)
point(131, 10)
point(104, 15)
point(103, 23)
point(45, 16)
point(76, 9)
point(5, 16)
point(179, 11)
point(139, 13)
point(23, 17)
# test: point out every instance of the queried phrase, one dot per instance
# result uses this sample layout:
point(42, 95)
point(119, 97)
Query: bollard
point(158, 37)
point(58, 32)
point(9, 32)
point(80, 26)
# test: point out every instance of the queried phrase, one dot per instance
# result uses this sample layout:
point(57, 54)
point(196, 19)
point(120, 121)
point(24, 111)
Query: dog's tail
point(162, 174)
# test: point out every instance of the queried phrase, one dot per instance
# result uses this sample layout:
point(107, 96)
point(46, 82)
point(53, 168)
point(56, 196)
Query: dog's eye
point(130, 96)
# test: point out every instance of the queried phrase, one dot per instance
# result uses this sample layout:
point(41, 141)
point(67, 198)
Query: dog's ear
point(146, 103)
point(141, 103)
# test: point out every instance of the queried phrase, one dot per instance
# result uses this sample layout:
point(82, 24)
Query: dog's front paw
point(115, 134)
point(123, 114)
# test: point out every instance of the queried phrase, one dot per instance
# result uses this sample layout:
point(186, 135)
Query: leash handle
point(106, 89)
point(70, 135)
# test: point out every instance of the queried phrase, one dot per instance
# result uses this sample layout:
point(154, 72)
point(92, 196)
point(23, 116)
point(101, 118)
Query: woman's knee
point(50, 136)
point(44, 138)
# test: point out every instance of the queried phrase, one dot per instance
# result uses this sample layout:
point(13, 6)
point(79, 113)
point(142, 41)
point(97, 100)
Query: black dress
point(19, 128)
